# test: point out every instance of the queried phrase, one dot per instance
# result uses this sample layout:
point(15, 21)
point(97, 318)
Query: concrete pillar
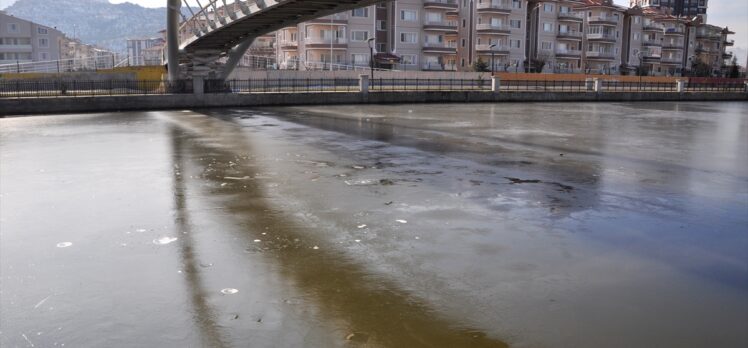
point(598, 85)
point(680, 86)
point(198, 85)
point(495, 84)
point(590, 84)
point(363, 84)
point(173, 12)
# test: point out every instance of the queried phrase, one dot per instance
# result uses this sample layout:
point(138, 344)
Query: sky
point(730, 13)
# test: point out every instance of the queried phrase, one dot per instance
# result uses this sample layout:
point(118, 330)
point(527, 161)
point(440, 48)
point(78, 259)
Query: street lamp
point(640, 55)
point(370, 41)
point(492, 54)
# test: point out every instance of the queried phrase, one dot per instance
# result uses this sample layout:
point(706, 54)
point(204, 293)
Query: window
point(547, 27)
point(409, 59)
point(546, 46)
point(43, 42)
point(547, 7)
point(12, 27)
point(43, 56)
point(408, 37)
point(515, 43)
point(360, 59)
point(42, 31)
point(637, 19)
point(516, 4)
point(381, 25)
point(408, 15)
point(515, 23)
point(360, 12)
point(359, 35)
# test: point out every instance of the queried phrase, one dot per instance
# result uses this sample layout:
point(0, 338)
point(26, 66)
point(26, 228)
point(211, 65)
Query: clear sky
point(730, 13)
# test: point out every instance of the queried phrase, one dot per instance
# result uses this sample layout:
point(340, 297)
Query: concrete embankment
point(25, 106)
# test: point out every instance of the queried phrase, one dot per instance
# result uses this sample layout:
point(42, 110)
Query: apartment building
point(708, 45)
point(561, 36)
point(23, 41)
point(654, 42)
point(493, 30)
point(138, 50)
point(683, 8)
point(556, 35)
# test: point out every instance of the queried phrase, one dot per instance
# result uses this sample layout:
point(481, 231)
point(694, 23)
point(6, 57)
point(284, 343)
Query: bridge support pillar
point(363, 84)
point(495, 84)
point(172, 38)
point(198, 85)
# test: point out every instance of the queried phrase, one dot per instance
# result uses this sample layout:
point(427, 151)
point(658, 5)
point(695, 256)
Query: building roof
point(600, 3)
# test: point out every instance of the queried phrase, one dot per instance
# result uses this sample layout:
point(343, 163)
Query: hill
point(94, 21)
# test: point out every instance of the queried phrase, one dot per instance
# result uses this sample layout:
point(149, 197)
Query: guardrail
point(62, 88)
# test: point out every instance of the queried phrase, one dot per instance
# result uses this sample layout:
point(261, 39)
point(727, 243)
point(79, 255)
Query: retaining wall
point(189, 101)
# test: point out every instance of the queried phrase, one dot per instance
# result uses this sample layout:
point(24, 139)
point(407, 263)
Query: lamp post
point(492, 54)
point(370, 41)
point(640, 55)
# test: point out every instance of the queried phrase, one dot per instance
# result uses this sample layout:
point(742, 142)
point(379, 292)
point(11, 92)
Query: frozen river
point(444, 225)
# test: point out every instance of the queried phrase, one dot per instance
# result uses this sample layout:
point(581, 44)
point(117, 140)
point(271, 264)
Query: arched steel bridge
point(226, 28)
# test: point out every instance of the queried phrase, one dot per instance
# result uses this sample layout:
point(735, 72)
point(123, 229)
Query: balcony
point(708, 36)
point(436, 66)
point(655, 43)
point(606, 20)
point(672, 46)
point(570, 16)
point(498, 49)
point(729, 42)
point(651, 57)
point(289, 44)
point(567, 53)
point(601, 37)
point(16, 48)
point(574, 35)
point(440, 47)
point(671, 60)
point(675, 31)
point(703, 50)
point(335, 19)
point(440, 4)
point(597, 55)
point(326, 43)
point(653, 27)
point(495, 7)
point(727, 55)
point(492, 28)
point(441, 25)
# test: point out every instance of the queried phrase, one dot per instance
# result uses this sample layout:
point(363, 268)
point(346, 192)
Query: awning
point(386, 58)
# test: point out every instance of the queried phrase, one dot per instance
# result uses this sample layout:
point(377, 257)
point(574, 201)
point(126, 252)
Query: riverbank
point(30, 106)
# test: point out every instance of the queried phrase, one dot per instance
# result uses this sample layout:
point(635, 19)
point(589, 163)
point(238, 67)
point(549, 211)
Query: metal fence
point(383, 85)
point(283, 86)
point(625, 86)
point(36, 89)
point(63, 88)
point(715, 87)
point(546, 86)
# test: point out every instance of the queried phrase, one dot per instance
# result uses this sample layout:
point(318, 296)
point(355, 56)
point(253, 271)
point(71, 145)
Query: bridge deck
point(263, 20)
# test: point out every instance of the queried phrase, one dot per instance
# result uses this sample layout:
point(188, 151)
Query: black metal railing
point(634, 86)
point(715, 87)
point(63, 88)
point(415, 84)
point(283, 86)
point(545, 86)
